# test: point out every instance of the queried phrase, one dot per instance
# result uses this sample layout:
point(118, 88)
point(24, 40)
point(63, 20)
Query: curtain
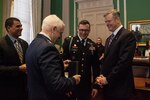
point(36, 16)
point(23, 11)
point(29, 12)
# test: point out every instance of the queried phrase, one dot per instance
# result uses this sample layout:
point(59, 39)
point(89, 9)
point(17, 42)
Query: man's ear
point(8, 27)
point(55, 28)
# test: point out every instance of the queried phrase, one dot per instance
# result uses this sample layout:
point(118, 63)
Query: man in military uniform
point(83, 54)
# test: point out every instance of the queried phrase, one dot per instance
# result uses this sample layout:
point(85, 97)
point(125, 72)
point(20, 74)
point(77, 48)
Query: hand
point(77, 78)
point(94, 93)
point(101, 57)
point(98, 81)
point(66, 63)
point(22, 67)
point(69, 94)
point(101, 80)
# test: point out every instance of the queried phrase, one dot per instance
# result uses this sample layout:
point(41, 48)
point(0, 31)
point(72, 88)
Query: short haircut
point(52, 21)
point(84, 22)
point(114, 12)
point(10, 21)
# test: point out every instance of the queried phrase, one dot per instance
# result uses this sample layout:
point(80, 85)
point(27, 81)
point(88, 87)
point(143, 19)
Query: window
point(22, 9)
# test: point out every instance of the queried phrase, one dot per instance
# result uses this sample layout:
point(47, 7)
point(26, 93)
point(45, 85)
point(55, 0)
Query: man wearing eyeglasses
point(83, 54)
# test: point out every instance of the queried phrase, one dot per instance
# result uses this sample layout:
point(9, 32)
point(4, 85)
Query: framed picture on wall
point(141, 29)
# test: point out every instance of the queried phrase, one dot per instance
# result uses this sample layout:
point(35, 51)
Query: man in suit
point(45, 68)
point(116, 77)
point(84, 57)
point(12, 67)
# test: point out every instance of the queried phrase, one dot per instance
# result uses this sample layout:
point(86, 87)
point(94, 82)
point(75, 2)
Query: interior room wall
point(135, 10)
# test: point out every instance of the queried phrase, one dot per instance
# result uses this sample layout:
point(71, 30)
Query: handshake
point(101, 80)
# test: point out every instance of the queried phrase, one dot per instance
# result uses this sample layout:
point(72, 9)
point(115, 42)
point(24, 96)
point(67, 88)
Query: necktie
point(82, 42)
point(111, 38)
point(19, 51)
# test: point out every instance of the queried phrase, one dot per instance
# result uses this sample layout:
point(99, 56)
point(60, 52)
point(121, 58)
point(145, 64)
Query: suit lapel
point(12, 49)
point(108, 48)
point(10, 44)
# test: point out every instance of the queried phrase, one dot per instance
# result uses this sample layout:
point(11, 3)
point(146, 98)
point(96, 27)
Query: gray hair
point(114, 12)
point(52, 21)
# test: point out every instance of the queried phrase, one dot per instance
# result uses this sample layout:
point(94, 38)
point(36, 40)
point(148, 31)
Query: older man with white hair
point(45, 68)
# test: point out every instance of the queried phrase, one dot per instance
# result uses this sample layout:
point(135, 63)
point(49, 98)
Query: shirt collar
point(116, 31)
point(11, 38)
point(45, 35)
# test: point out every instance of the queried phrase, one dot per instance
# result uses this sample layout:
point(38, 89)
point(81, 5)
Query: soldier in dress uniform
point(83, 54)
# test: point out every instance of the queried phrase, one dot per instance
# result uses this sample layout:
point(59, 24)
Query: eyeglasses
point(84, 30)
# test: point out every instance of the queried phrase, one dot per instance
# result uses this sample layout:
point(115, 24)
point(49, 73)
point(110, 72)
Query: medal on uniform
point(92, 48)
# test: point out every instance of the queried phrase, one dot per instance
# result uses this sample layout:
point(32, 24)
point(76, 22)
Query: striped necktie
point(111, 39)
point(19, 50)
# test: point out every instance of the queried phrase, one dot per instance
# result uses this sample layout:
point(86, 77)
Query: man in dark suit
point(12, 67)
point(83, 54)
point(116, 77)
point(45, 68)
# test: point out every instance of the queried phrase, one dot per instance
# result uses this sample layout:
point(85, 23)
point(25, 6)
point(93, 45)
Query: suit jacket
point(46, 80)
point(87, 58)
point(11, 79)
point(117, 66)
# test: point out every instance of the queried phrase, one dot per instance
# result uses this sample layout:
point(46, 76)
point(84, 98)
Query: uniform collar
point(81, 39)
